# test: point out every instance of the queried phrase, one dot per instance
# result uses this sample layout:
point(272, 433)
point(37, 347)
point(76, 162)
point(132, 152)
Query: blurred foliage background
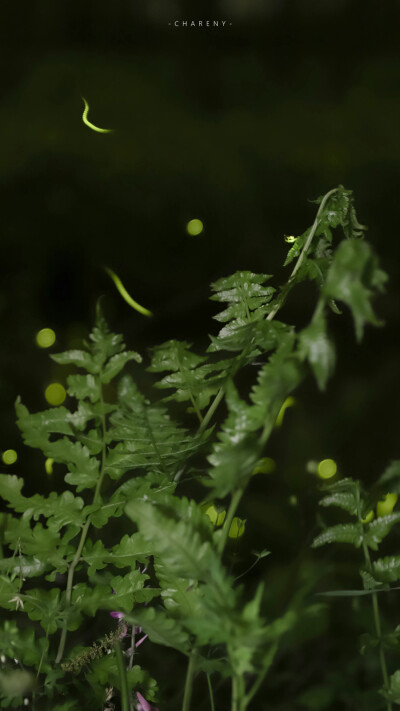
point(238, 126)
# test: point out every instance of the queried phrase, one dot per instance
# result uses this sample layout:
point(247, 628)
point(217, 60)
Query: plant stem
point(210, 690)
point(234, 694)
point(235, 500)
point(207, 417)
point(132, 652)
point(125, 703)
point(238, 698)
point(378, 629)
point(85, 529)
point(279, 304)
point(303, 252)
point(189, 681)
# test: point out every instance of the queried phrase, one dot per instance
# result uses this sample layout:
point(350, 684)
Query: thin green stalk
point(375, 608)
point(235, 500)
point(260, 678)
point(378, 629)
point(85, 529)
point(303, 252)
point(125, 702)
point(189, 681)
point(280, 303)
point(207, 417)
point(132, 652)
point(235, 692)
point(210, 691)
point(238, 698)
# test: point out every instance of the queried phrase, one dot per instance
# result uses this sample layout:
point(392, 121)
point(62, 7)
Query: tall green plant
point(366, 533)
point(129, 456)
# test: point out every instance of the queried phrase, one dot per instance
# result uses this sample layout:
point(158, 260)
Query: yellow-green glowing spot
point(293, 500)
point(9, 456)
point(194, 227)
point(327, 468)
point(89, 124)
point(266, 465)
point(45, 337)
point(289, 402)
point(216, 515)
point(48, 465)
point(125, 295)
point(368, 518)
point(237, 528)
point(55, 394)
point(290, 239)
point(386, 506)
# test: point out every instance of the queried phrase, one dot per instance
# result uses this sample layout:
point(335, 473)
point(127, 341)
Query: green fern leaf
point(342, 533)
point(353, 278)
point(161, 628)
point(317, 348)
point(387, 570)
point(147, 437)
point(379, 529)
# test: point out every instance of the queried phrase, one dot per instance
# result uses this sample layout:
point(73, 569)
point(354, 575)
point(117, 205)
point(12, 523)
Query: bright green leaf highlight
point(369, 517)
point(55, 394)
point(216, 516)
point(327, 468)
point(45, 337)
point(194, 227)
point(9, 456)
point(266, 465)
point(386, 506)
point(237, 528)
point(89, 124)
point(126, 296)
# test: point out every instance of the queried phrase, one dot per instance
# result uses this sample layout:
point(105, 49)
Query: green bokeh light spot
point(194, 227)
point(48, 465)
point(327, 468)
point(9, 456)
point(45, 337)
point(55, 394)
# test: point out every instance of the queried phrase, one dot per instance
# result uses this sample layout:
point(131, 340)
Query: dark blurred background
point(238, 126)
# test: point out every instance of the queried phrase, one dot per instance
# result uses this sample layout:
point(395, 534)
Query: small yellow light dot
point(266, 465)
point(55, 394)
point(293, 500)
point(9, 456)
point(237, 527)
point(327, 468)
point(48, 465)
point(45, 338)
point(194, 227)
point(386, 506)
point(370, 515)
point(290, 239)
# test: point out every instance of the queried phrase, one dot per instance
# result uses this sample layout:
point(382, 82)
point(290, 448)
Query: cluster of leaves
point(134, 450)
point(365, 532)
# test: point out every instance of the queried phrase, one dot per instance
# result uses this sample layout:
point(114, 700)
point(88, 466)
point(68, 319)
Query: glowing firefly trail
point(89, 124)
point(125, 295)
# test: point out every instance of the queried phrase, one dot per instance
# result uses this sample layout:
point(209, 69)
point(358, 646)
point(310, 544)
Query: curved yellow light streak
point(89, 124)
point(125, 295)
